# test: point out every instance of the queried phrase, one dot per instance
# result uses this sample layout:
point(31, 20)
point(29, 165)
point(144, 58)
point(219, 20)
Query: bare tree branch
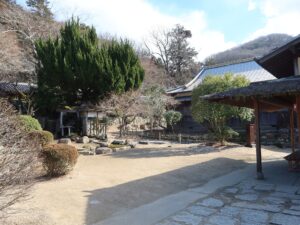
point(19, 30)
point(18, 158)
point(171, 49)
point(125, 107)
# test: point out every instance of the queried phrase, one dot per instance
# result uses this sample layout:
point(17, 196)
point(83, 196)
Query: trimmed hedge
point(59, 159)
point(43, 137)
point(30, 123)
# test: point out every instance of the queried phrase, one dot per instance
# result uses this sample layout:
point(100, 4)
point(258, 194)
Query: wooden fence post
point(179, 138)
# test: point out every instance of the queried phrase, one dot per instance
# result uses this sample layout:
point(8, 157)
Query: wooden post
point(259, 172)
point(298, 118)
point(61, 125)
point(292, 129)
point(179, 138)
point(296, 66)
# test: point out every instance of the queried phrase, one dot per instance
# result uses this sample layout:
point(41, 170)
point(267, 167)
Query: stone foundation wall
point(278, 137)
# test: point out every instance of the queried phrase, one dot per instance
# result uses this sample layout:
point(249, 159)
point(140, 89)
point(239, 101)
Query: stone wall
point(278, 137)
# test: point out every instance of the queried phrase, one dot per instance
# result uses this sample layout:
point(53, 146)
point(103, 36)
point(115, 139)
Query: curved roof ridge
point(185, 86)
point(195, 78)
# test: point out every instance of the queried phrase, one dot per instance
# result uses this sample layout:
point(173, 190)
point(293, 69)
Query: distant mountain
point(255, 48)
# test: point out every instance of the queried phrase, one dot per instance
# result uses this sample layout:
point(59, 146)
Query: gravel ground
point(103, 185)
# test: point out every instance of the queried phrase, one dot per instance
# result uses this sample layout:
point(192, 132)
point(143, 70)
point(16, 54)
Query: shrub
point(214, 115)
point(42, 137)
point(18, 159)
point(172, 118)
point(59, 159)
point(30, 123)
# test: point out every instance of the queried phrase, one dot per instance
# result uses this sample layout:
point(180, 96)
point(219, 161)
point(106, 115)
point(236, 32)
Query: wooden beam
point(276, 103)
point(292, 129)
point(259, 172)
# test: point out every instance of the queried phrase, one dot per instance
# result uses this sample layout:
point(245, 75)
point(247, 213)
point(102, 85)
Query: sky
point(216, 25)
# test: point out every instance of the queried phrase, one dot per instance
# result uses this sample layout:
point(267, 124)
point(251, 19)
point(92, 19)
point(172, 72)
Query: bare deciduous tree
point(20, 29)
point(155, 104)
point(151, 105)
point(18, 158)
point(158, 46)
point(171, 49)
point(155, 75)
point(125, 107)
point(10, 61)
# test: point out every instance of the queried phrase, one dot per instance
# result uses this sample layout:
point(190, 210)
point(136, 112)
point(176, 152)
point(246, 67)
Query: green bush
point(43, 137)
point(172, 118)
point(215, 115)
point(30, 123)
point(59, 159)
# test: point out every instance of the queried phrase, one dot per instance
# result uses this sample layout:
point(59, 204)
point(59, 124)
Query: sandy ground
point(101, 186)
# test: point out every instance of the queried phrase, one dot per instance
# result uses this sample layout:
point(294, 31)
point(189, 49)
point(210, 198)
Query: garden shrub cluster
point(215, 115)
point(42, 137)
point(30, 123)
point(59, 159)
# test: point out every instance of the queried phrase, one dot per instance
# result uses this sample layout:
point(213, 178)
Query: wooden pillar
point(292, 129)
point(296, 66)
point(61, 125)
point(259, 172)
point(298, 118)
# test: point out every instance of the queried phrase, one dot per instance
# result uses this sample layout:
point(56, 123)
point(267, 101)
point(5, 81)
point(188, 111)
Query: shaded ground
point(102, 186)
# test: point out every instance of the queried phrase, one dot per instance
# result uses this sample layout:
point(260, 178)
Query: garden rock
point(103, 144)
point(85, 151)
point(84, 140)
point(74, 138)
point(132, 144)
point(118, 142)
point(65, 141)
point(95, 141)
point(103, 150)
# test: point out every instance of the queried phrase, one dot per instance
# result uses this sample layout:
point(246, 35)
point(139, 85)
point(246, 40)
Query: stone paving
point(247, 203)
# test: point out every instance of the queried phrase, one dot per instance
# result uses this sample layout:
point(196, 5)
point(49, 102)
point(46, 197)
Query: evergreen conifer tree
point(40, 7)
point(74, 68)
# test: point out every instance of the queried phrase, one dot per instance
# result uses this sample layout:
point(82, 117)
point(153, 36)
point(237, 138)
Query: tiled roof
point(250, 69)
point(8, 88)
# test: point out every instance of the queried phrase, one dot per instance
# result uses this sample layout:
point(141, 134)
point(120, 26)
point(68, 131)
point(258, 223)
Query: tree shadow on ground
point(105, 202)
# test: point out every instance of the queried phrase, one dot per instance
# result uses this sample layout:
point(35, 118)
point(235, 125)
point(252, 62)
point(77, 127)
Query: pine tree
point(40, 7)
point(181, 54)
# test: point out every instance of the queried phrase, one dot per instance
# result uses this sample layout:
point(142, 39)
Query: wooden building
point(19, 94)
point(272, 95)
point(249, 68)
point(86, 120)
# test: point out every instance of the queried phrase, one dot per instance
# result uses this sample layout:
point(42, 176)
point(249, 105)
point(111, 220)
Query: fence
point(96, 129)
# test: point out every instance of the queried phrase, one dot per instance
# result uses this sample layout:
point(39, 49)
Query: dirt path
point(101, 186)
